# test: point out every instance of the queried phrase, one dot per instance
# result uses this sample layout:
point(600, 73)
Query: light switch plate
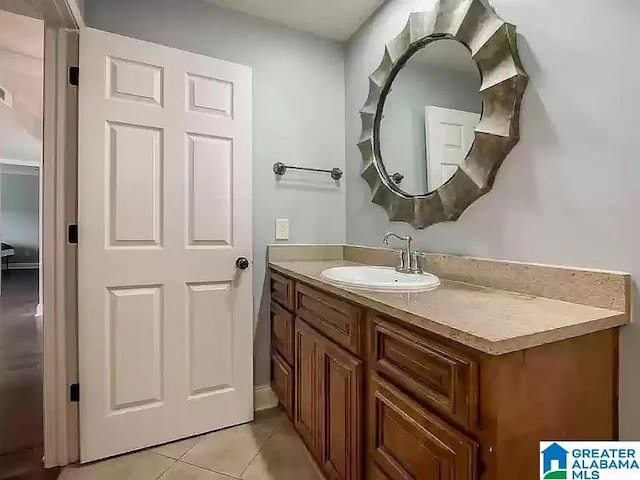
point(282, 229)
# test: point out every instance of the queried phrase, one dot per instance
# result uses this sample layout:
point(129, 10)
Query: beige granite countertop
point(487, 319)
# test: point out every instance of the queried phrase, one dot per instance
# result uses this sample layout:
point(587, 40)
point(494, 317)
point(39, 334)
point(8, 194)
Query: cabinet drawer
point(436, 374)
point(407, 441)
point(282, 331)
point(338, 320)
point(282, 289)
point(282, 382)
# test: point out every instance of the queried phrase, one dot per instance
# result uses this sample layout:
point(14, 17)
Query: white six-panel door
point(449, 135)
point(165, 317)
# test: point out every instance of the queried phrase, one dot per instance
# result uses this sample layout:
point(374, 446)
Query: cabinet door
point(407, 441)
point(341, 384)
point(282, 382)
point(306, 384)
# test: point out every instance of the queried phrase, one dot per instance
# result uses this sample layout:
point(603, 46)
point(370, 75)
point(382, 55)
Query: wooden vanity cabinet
point(282, 290)
point(282, 331)
point(407, 441)
point(282, 341)
point(341, 377)
point(337, 320)
point(282, 382)
point(306, 416)
point(423, 399)
point(375, 398)
point(329, 402)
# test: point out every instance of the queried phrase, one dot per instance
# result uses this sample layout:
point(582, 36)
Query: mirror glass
point(429, 117)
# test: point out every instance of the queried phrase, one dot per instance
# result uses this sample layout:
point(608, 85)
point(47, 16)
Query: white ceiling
point(21, 74)
point(333, 19)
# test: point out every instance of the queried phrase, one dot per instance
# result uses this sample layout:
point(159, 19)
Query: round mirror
point(429, 117)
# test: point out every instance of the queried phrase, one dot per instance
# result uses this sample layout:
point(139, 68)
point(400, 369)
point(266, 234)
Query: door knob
point(242, 263)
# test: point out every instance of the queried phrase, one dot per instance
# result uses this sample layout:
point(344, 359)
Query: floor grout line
point(270, 430)
point(209, 469)
point(271, 435)
point(190, 448)
point(166, 469)
point(275, 430)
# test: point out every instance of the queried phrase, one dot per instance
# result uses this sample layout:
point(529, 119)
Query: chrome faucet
point(409, 261)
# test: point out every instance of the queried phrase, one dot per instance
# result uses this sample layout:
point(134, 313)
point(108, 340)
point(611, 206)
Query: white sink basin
point(380, 279)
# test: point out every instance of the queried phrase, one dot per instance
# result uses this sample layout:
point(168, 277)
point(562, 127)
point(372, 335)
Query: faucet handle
point(415, 265)
point(403, 261)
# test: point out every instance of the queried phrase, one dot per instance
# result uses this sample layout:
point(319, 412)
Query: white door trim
point(59, 13)
point(58, 283)
point(74, 8)
point(58, 280)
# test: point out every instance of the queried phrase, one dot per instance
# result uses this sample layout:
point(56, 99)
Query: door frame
point(62, 20)
point(58, 259)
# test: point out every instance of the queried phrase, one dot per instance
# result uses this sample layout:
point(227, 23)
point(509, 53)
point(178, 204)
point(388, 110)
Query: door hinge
point(72, 234)
point(74, 76)
point(74, 392)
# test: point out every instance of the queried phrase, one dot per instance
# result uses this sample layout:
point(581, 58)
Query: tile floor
point(266, 449)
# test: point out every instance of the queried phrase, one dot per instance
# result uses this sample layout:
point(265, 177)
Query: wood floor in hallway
point(20, 378)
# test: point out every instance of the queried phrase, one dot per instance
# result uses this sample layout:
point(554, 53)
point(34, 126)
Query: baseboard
point(22, 266)
point(264, 398)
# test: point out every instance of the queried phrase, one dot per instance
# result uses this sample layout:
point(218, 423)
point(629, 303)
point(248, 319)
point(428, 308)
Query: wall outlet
point(282, 229)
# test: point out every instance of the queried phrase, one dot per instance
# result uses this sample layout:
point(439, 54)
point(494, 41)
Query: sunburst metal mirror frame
point(492, 44)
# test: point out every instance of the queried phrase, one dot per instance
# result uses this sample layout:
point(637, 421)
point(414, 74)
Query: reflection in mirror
point(429, 117)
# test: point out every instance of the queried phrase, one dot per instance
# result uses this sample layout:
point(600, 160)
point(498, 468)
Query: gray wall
point(568, 193)
point(299, 96)
point(402, 132)
point(20, 216)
